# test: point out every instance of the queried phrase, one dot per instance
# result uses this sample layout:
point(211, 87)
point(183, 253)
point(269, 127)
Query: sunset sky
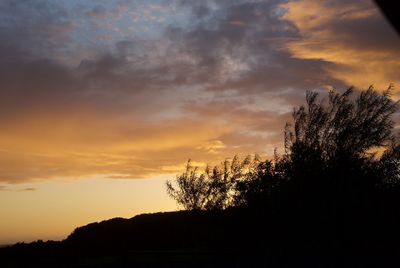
point(102, 101)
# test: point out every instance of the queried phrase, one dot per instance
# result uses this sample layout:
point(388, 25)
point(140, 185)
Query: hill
point(229, 238)
point(148, 239)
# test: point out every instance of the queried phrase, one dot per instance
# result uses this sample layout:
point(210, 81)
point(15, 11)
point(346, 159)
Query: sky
point(102, 101)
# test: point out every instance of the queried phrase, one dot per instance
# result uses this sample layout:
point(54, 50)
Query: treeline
point(336, 186)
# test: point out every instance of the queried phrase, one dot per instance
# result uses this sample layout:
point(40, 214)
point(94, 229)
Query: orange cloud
point(352, 35)
point(61, 145)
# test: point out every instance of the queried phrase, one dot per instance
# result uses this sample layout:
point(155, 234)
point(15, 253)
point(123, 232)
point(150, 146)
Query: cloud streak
point(28, 189)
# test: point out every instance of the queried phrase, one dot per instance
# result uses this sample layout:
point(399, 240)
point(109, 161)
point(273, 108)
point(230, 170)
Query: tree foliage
point(344, 125)
point(216, 187)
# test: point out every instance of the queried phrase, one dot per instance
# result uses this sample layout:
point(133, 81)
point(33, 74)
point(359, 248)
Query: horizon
point(101, 102)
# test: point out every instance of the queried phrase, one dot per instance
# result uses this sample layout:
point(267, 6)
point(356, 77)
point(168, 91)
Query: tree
point(390, 165)
point(338, 137)
point(328, 159)
point(191, 190)
point(344, 125)
point(258, 185)
point(217, 187)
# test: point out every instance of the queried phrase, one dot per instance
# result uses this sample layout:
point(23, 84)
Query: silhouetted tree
point(344, 126)
point(258, 185)
point(217, 187)
point(334, 140)
point(390, 165)
point(328, 160)
point(191, 189)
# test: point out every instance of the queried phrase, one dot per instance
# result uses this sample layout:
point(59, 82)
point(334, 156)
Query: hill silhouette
point(233, 237)
point(208, 237)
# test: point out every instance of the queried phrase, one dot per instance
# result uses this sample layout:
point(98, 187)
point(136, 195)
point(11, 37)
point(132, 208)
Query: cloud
point(353, 36)
point(28, 189)
point(251, 58)
point(98, 11)
point(212, 146)
point(105, 90)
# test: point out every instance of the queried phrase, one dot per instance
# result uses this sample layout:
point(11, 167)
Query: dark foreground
point(207, 259)
point(230, 238)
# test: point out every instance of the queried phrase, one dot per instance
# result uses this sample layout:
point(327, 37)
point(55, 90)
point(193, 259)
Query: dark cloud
point(33, 28)
point(98, 11)
point(367, 33)
point(251, 36)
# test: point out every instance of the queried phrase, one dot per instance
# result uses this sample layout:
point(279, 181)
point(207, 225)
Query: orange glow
point(54, 208)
